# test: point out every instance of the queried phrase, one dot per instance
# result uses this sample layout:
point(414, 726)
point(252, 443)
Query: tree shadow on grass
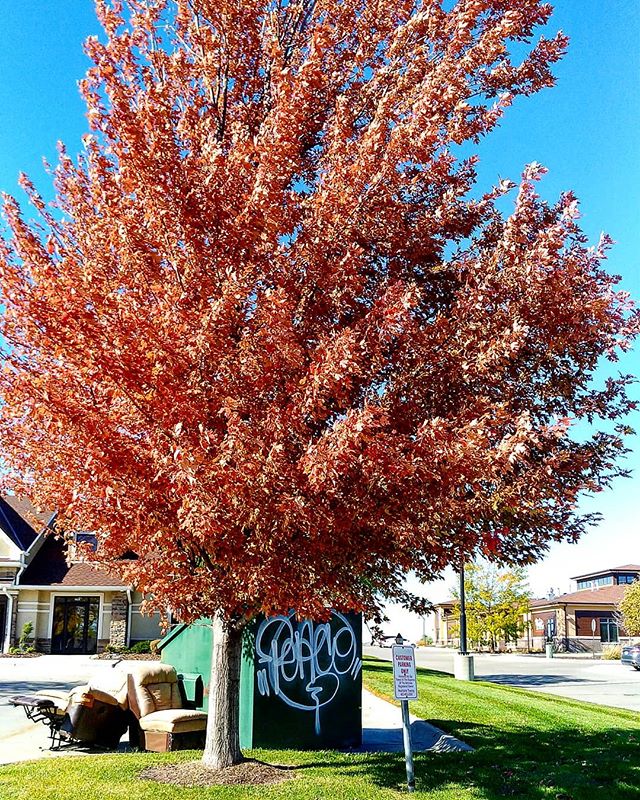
point(526, 763)
point(525, 681)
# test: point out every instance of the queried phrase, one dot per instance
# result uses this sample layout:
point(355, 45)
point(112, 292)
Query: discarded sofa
point(94, 714)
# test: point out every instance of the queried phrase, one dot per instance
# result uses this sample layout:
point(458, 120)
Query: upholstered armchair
point(155, 701)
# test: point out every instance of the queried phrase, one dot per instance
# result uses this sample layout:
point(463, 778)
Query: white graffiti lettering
point(305, 662)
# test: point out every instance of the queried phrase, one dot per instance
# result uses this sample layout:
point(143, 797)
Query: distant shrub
point(115, 648)
point(25, 641)
point(424, 641)
point(612, 652)
point(140, 647)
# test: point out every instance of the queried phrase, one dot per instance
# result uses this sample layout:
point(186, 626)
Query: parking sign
point(405, 686)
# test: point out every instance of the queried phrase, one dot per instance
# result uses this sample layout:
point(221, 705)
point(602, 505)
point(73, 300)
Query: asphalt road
point(20, 738)
point(607, 683)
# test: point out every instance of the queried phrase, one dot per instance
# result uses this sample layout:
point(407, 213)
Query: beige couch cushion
point(59, 698)
point(156, 687)
point(109, 685)
point(175, 721)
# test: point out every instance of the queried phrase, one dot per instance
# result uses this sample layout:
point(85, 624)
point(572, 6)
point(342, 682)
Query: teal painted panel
point(188, 649)
point(246, 690)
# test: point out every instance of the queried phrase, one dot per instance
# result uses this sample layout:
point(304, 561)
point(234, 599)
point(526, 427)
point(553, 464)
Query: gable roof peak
point(21, 522)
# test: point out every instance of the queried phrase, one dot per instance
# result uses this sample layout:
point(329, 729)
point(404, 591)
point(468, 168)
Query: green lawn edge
point(528, 745)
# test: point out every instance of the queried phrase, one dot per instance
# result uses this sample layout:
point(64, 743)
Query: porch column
point(118, 625)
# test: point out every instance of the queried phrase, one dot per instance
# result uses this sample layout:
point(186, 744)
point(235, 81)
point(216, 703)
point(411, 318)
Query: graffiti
point(304, 663)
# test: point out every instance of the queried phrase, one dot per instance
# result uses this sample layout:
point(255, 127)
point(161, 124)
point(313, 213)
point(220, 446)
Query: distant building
point(580, 621)
point(586, 619)
point(74, 607)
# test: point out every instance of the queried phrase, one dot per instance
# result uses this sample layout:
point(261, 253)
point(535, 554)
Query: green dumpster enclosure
point(300, 681)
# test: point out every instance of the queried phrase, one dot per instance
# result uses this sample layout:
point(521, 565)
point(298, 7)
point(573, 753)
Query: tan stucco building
point(73, 606)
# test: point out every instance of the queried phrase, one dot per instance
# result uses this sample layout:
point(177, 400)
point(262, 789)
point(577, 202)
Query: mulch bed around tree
point(190, 774)
point(126, 657)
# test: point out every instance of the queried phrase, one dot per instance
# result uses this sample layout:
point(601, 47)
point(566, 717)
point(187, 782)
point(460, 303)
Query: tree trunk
point(222, 746)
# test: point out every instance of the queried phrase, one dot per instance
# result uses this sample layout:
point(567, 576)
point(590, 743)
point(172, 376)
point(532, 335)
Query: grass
point(528, 746)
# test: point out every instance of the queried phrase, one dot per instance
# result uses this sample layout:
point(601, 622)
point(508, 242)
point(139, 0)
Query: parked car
point(631, 655)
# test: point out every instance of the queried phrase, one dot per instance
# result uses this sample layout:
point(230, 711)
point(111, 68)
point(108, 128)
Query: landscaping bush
point(115, 648)
point(140, 647)
point(25, 642)
point(611, 652)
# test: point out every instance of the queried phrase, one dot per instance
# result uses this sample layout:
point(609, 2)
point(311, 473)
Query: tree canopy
point(272, 338)
point(496, 601)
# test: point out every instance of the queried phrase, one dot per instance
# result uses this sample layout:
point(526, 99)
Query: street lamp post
point(463, 613)
point(463, 660)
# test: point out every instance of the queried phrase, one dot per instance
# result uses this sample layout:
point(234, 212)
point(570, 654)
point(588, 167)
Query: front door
point(75, 625)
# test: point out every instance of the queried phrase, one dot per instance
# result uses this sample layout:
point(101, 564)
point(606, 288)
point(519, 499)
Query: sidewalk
point(381, 733)
point(382, 730)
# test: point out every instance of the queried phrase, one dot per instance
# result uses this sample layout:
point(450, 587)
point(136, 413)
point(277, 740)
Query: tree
point(271, 338)
point(496, 602)
point(630, 609)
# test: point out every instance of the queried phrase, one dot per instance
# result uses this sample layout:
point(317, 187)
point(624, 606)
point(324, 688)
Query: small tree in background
point(630, 609)
point(496, 602)
point(271, 337)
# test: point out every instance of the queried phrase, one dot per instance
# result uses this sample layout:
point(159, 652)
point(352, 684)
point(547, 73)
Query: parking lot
point(607, 683)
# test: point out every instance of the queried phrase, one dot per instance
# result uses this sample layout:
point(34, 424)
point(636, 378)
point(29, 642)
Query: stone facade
point(118, 625)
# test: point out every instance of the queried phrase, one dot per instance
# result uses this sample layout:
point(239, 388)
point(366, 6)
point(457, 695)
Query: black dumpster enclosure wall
point(301, 682)
point(308, 682)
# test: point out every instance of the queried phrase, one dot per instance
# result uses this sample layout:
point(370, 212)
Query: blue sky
point(585, 131)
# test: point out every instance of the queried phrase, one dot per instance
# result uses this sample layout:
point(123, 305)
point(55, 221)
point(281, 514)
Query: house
point(74, 607)
point(445, 625)
point(586, 619)
point(579, 621)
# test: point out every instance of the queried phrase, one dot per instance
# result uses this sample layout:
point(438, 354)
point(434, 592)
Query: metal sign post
point(405, 688)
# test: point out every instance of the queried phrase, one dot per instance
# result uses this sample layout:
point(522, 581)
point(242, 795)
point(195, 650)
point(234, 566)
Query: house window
point(608, 630)
point(584, 585)
point(626, 578)
point(604, 581)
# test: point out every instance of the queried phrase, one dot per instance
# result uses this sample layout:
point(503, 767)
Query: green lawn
point(528, 746)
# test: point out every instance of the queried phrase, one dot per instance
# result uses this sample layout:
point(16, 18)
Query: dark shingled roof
point(20, 521)
point(49, 568)
point(605, 594)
